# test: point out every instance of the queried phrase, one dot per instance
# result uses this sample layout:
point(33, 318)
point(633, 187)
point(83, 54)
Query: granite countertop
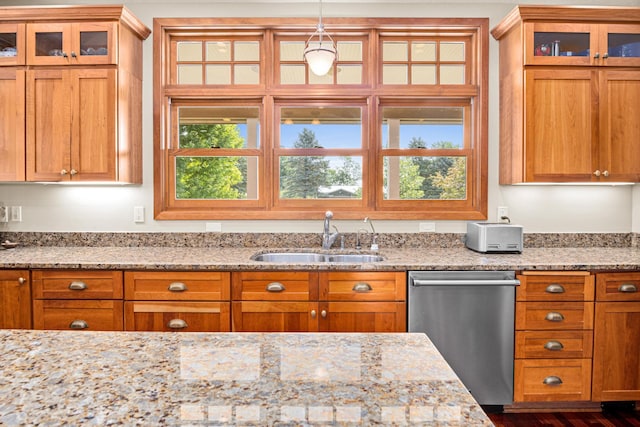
point(239, 258)
point(145, 378)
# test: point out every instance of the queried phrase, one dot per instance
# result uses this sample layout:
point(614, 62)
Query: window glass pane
point(423, 127)
point(423, 51)
point(291, 51)
point(218, 74)
point(246, 51)
point(349, 51)
point(349, 74)
point(247, 74)
point(219, 51)
point(219, 127)
point(189, 51)
point(48, 44)
point(395, 74)
point(292, 74)
point(452, 51)
point(321, 177)
point(423, 74)
point(314, 79)
point(425, 178)
point(569, 43)
point(452, 74)
point(320, 127)
point(190, 74)
point(395, 51)
point(206, 178)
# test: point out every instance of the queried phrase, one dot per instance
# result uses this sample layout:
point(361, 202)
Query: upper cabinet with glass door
point(77, 43)
point(12, 44)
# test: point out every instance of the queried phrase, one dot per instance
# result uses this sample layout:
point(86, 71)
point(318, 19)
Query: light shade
point(320, 57)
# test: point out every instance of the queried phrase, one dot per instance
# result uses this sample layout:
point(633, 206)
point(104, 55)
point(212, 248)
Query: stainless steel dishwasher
point(469, 316)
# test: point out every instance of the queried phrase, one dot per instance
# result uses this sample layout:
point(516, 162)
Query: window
point(397, 129)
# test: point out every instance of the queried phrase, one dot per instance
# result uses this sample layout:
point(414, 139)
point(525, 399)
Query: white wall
point(110, 208)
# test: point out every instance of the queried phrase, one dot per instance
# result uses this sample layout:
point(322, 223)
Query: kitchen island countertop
point(233, 258)
point(138, 378)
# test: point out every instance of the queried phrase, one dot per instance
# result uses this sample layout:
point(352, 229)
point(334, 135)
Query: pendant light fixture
point(318, 53)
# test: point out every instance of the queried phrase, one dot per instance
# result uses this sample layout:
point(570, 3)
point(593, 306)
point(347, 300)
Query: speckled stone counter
point(100, 378)
point(233, 258)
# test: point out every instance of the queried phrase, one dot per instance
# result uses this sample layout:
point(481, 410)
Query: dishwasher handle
point(472, 282)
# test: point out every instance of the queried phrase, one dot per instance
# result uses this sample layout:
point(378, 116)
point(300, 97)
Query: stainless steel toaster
point(494, 237)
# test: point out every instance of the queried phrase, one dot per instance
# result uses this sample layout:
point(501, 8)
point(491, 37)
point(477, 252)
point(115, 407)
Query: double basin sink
point(312, 257)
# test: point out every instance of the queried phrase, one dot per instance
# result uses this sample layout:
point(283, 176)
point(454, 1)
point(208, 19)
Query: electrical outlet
point(427, 227)
point(138, 214)
point(503, 214)
point(4, 214)
point(16, 213)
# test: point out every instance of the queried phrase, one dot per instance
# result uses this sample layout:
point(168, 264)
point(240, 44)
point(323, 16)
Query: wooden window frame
point(269, 94)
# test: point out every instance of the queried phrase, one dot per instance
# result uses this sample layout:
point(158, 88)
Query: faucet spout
point(329, 238)
point(374, 235)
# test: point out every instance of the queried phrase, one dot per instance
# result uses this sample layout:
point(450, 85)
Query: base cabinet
point(616, 357)
point(15, 299)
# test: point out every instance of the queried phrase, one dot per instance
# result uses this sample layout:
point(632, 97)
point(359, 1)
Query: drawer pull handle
point(553, 346)
point(552, 380)
point(177, 287)
point(77, 286)
point(554, 316)
point(628, 288)
point(78, 324)
point(177, 324)
point(554, 288)
point(275, 287)
point(313, 314)
point(362, 287)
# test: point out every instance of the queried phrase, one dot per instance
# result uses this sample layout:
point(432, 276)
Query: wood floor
point(607, 418)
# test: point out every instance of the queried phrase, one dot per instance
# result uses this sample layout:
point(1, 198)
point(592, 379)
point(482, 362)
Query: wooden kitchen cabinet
point(319, 301)
point(554, 334)
point(616, 357)
point(177, 301)
point(15, 299)
point(77, 299)
point(82, 94)
point(12, 117)
point(564, 118)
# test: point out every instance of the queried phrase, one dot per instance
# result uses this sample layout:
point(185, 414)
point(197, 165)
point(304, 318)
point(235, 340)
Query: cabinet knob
point(64, 172)
point(22, 280)
point(313, 314)
point(177, 324)
point(553, 346)
point(597, 55)
point(362, 287)
point(177, 287)
point(275, 287)
point(605, 55)
point(65, 55)
point(554, 288)
point(323, 313)
point(77, 286)
point(78, 324)
point(597, 172)
point(552, 380)
point(554, 316)
point(73, 54)
point(627, 288)
point(73, 172)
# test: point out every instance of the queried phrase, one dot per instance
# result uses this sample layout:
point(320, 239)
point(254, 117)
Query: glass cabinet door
point(49, 44)
point(620, 44)
point(12, 44)
point(94, 43)
point(559, 44)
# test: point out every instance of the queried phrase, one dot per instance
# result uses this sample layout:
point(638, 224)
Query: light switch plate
point(16, 213)
point(4, 214)
point(138, 214)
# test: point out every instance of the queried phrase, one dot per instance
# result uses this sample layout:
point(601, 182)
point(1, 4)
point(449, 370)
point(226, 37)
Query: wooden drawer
point(86, 315)
point(618, 287)
point(554, 344)
point(555, 286)
point(275, 286)
point(554, 315)
point(177, 286)
point(275, 316)
point(536, 380)
point(177, 316)
point(76, 284)
point(363, 286)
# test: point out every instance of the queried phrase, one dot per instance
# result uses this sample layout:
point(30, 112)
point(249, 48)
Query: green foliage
point(428, 167)
point(410, 180)
point(453, 183)
point(300, 176)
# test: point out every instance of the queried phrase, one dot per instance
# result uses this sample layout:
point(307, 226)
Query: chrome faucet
point(328, 238)
point(374, 235)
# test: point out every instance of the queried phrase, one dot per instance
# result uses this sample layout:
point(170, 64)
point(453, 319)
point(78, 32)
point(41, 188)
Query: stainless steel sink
point(308, 257)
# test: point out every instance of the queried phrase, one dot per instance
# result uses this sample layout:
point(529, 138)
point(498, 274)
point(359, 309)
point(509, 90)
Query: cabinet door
point(93, 127)
point(566, 43)
point(49, 43)
point(12, 42)
point(275, 316)
point(49, 101)
point(12, 113)
point(15, 299)
point(619, 141)
point(560, 125)
point(616, 355)
point(94, 43)
point(619, 44)
point(363, 317)
point(194, 316)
